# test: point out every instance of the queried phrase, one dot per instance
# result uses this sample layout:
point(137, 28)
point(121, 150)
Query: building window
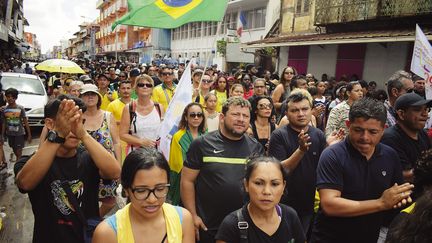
point(255, 18)
point(302, 6)
point(229, 22)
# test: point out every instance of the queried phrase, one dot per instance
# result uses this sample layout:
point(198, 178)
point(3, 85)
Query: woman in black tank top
point(261, 125)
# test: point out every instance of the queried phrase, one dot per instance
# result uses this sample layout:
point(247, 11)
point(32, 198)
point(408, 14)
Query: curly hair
point(423, 172)
point(415, 226)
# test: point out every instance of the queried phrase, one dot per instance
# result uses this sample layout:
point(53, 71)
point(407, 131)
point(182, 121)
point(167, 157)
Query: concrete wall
point(322, 60)
point(382, 61)
point(283, 59)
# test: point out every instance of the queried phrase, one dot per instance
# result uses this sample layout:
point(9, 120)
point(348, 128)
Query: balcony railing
point(344, 11)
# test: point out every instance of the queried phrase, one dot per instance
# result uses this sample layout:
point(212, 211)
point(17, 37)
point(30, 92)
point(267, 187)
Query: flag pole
point(218, 30)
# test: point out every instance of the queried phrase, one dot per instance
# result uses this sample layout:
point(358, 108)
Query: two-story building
point(199, 39)
point(370, 39)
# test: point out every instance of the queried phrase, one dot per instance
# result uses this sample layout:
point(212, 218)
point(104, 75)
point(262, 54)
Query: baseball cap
point(102, 75)
point(90, 88)
point(134, 72)
point(409, 100)
point(85, 78)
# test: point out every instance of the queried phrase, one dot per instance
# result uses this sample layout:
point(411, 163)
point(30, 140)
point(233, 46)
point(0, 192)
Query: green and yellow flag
point(169, 14)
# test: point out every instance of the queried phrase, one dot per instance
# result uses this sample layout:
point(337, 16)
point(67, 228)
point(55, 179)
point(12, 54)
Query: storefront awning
point(338, 38)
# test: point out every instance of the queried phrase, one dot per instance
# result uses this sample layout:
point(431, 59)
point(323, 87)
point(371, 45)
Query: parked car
point(32, 94)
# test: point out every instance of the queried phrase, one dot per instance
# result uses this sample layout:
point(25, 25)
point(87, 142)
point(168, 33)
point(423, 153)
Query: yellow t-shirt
point(106, 101)
point(221, 97)
point(159, 96)
point(116, 108)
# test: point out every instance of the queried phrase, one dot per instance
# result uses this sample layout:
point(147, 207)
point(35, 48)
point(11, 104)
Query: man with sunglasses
point(164, 92)
point(407, 137)
point(298, 146)
point(211, 179)
point(398, 84)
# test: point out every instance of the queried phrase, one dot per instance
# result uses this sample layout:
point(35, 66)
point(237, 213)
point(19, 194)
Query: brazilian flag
point(169, 14)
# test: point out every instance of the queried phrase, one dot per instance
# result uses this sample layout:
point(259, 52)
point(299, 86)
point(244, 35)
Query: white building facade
point(198, 39)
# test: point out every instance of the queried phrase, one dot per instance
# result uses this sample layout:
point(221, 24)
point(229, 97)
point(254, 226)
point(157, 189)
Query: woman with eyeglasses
point(282, 90)
point(263, 219)
point(261, 126)
point(145, 179)
point(191, 126)
point(204, 88)
point(221, 91)
point(338, 116)
point(141, 118)
point(66, 85)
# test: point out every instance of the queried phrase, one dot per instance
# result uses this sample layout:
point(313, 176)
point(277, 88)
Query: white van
point(32, 94)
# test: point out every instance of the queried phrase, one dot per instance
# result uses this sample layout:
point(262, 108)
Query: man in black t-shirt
point(298, 146)
point(57, 165)
point(358, 180)
point(211, 180)
point(407, 137)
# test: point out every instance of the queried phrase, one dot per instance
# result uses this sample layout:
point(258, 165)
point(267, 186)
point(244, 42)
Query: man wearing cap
point(407, 137)
point(86, 79)
point(107, 95)
point(61, 180)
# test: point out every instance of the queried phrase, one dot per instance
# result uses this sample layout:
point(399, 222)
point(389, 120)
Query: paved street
point(18, 224)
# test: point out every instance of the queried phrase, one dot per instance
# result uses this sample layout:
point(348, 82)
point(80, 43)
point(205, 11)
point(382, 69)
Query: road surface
point(18, 223)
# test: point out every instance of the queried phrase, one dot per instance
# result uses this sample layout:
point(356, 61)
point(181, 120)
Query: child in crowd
point(14, 121)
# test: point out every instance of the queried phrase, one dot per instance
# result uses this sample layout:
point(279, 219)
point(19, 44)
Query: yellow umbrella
point(59, 66)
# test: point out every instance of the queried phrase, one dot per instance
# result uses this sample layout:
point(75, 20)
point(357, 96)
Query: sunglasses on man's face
point(194, 115)
point(167, 74)
point(142, 85)
point(207, 81)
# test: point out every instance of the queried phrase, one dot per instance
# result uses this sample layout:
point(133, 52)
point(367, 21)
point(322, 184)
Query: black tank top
point(262, 141)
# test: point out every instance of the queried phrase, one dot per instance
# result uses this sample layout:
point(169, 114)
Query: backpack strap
point(158, 109)
point(243, 226)
point(132, 116)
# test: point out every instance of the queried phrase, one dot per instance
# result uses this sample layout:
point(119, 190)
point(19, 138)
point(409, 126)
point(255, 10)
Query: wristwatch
point(53, 137)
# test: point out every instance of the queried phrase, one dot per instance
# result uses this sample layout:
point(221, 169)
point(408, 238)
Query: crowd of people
point(256, 158)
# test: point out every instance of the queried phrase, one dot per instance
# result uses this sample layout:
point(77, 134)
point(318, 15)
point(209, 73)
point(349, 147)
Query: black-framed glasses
point(194, 115)
point(142, 85)
point(207, 81)
point(166, 74)
point(265, 106)
point(142, 193)
point(410, 90)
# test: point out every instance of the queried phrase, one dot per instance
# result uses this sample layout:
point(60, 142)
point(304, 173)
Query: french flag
point(242, 23)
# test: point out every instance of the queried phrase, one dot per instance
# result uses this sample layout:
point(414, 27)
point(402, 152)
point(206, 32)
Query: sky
point(54, 20)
